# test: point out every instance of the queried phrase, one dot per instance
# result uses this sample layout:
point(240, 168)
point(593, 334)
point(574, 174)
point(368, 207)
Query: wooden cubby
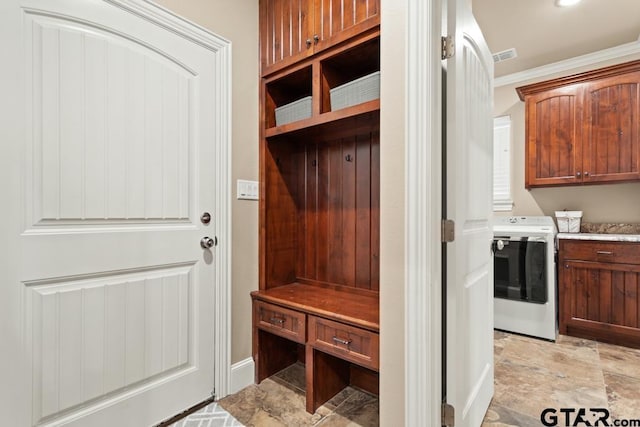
point(315, 77)
point(291, 87)
point(321, 197)
point(318, 299)
point(347, 66)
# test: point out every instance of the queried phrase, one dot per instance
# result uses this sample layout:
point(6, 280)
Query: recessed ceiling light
point(565, 3)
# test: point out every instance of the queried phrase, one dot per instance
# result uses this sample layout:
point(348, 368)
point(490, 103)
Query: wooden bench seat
point(333, 329)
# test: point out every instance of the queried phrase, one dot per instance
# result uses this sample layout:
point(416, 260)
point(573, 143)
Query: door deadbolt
point(205, 218)
point(208, 242)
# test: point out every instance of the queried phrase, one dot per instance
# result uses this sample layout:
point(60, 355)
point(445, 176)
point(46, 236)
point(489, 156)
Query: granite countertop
point(611, 232)
point(601, 236)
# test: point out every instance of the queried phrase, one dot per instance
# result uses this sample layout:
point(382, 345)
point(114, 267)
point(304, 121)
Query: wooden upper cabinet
point(338, 20)
point(554, 137)
point(612, 130)
point(285, 28)
point(583, 129)
point(291, 30)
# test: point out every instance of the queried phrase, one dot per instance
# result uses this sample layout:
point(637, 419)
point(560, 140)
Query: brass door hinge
point(448, 47)
point(448, 231)
point(448, 415)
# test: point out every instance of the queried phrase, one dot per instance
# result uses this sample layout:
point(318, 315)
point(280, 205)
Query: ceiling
point(542, 33)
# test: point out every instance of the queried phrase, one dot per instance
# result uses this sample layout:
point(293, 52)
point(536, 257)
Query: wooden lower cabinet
point(338, 351)
point(599, 291)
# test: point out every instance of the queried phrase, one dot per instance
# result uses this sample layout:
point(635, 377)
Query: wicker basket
point(568, 221)
point(356, 92)
point(294, 111)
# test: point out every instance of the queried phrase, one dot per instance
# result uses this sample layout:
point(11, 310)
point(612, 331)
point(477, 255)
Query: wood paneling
point(337, 20)
point(285, 26)
point(322, 210)
point(281, 245)
point(340, 233)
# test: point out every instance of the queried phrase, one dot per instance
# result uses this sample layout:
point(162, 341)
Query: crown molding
point(569, 64)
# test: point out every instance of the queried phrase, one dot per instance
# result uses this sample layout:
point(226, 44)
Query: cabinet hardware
point(604, 253)
point(316, 38)
point(308, 41)
point(586, 174)
point(578, 174)
point(341, 341)
point(348, 158)
point(277, 320)
point(314, 163)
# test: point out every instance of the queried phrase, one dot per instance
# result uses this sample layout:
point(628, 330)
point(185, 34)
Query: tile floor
point(530, 375)
point(533, 374)
point(280, 401)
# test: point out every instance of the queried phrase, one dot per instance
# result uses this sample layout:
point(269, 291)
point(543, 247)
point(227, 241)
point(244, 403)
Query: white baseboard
point(241, 375)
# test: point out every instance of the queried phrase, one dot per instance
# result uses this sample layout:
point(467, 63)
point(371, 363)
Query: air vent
point(505, 55)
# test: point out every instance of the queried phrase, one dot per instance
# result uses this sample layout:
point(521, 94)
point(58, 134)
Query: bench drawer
point(281, 321)
point(345, 342)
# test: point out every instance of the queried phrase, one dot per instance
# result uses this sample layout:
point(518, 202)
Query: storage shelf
point(332, 116)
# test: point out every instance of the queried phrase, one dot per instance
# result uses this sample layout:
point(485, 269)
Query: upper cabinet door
point(338, 20)
point(612, 130)
point(286, 32)
point(554, 138)
point(291, 30)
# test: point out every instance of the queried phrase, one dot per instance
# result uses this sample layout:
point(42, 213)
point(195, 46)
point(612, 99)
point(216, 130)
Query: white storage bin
point(294, 111)
point(356, 92)
point(568, 221)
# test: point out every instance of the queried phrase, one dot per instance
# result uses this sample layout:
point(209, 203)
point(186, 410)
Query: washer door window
point(520, 270)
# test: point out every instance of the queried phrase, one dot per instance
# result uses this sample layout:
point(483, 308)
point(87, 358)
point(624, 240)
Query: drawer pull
point(604, 253)
point(277, 320)
point(341, 341)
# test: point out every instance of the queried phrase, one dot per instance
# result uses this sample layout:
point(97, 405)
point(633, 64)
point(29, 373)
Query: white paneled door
point(469, 179)
point(110, 153)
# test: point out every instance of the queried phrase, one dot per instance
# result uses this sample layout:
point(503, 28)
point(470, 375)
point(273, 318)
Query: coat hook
point(348, 158)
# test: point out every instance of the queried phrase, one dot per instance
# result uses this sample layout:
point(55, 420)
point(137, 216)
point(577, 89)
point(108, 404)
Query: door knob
point(208, 242)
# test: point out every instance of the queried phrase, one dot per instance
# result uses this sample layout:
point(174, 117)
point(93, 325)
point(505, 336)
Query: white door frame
point(221, 48)
point(423, 213)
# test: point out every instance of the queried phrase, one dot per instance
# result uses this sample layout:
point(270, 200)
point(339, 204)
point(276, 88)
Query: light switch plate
point(247, 190)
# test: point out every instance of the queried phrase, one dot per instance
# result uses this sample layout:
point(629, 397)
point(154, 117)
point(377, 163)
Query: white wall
point(600, 203)
point(392, 213)
point(237, 21)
